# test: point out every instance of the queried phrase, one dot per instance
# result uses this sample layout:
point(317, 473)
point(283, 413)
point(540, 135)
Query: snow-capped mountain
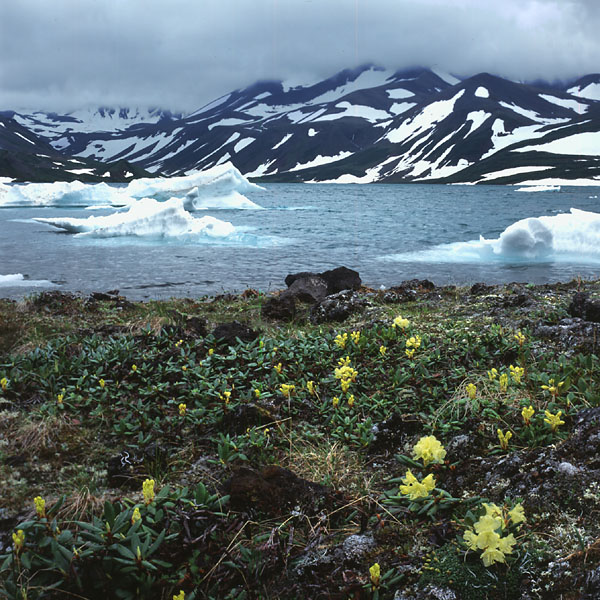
point(361, 125)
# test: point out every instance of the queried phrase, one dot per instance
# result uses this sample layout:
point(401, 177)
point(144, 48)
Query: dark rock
point(397, 295)
point(477, 289)
point(229, 333)
point(335, 280)
point(105, 296)
point(390, 434)
point(584, 308)
point(341, 279)
point(274, 491)
point(416, 284)
point(312, 288)
point(279, 307)
point(294, 276)
point(337, 307)
point(196, 326)
point(237, 421)
point(573, 334)
point(517, 300)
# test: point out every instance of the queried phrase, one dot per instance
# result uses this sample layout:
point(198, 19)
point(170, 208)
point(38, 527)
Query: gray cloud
point(181, 54)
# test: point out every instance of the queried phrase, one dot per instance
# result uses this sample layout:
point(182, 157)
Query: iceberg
point(61, 193)
point(146, 218)
point(220, 187)
point(19, 280)
point(540, 188)
point(572, 237)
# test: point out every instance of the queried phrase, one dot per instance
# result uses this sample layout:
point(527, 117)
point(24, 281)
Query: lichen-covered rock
point(337, 307)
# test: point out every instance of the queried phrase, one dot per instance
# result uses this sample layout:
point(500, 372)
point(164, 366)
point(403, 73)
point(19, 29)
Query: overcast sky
point(181, 54)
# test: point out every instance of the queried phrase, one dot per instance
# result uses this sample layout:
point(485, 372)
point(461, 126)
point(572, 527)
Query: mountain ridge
point(361, 125)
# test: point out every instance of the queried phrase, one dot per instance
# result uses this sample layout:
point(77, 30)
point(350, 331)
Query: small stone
point(568, 469)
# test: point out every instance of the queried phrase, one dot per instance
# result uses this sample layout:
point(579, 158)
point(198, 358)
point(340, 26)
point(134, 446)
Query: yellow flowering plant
point(504, 438)
point(423, 497)
point(341, 340)
point(492, 534)
point(430, 450)
point(554, 420)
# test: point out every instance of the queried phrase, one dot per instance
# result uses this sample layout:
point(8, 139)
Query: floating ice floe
point(540, 188)
point(19, 280)
point(219, 187)
point(572, 237)
point(146, 218)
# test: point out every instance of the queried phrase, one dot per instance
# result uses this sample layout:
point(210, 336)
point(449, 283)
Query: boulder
point(341, 279)
point(334, 280)
point(311, 288)
point(584, 308)
point(337, 307)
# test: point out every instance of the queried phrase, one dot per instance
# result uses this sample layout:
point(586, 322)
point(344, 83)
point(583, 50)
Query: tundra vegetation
point(444, 444)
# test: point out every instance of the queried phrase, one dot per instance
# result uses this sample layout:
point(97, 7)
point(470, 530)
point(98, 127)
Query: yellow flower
point(382, 350)
point(355, 335)
point(351, 400)
point(506, 544)
point(310, 386)
point(182, 409)
point(177, 344)
point(136, 516)
point(517, 514)
point(18, 540)
point(503, 438)
point(345, 385)
point(40, 506)
point(553, 387)
point(278, 367)
point(134, 368)
point(341, 340)
point(287, 390)
point(520, 338)
point(410, 353)
point(148, 490)
point(516, 373)
point(335, 401)
point(211, 351)
point(400, 322)
point(3, 383)
point(488, 523)
point(492, 374)
point(60, 398)
point(184, 368)
point(503, 381)
point(491, 555)
point(256, 393)
point(492, 510)
point(471, 390)
point(413, 342)
point(180, 596)
point(471, 539)
point(527, 413)
point(429, 449)
point(554, 420)
point(413, 488)
point(226, 397)
point(375, 574)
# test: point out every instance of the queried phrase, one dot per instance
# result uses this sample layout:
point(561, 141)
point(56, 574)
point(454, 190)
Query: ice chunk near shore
point(572, 237)
point(19, 280)
point(147, 218)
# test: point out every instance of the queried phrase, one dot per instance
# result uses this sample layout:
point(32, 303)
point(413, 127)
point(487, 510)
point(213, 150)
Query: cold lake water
point(388, 233)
